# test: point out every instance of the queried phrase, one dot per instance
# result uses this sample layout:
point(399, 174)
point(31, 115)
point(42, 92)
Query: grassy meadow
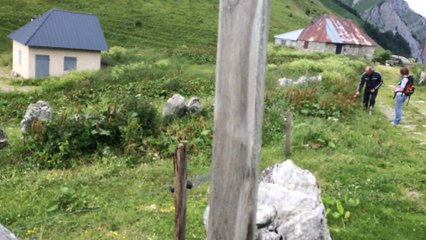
point(55, 187)
point(101, 168)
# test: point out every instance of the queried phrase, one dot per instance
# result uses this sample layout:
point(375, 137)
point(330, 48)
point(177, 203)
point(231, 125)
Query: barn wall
point(313, 46)
point(361, 51)
point(20, 67)
point(282, 42)
point(355, 50)
point(86, 60)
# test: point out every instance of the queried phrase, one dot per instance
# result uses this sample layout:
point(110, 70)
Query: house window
point(306, 45)
point(20, 57)
point(70, 63)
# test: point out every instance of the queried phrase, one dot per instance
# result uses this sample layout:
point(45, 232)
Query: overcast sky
point(418, 6)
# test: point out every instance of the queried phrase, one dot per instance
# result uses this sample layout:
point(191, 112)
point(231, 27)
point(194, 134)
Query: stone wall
point(355, 50)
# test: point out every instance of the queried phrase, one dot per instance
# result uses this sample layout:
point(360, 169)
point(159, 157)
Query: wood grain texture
point(240, 78)
point(180, 163)
point(288, 124)
point(6, 234)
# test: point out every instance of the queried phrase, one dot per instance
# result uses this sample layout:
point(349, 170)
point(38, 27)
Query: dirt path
point(6, 82)
point(414, 114)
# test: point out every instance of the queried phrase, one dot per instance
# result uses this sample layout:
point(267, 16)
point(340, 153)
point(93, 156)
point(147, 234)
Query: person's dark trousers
point(369, 99)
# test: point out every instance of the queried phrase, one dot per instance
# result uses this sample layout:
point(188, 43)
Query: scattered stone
point(422, 79)
point(411, 193)
point(286, 82)
point(194, 105)
point(289, 205)
point(175, 106)
point(38, 111)
point(3, 139)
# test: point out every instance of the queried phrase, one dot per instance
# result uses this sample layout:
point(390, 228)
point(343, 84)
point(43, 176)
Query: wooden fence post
point(180, 163)
point(240, 77)
point(288, 124)
point(6, 234)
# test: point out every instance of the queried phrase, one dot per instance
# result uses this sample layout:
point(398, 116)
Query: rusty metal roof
point(332, 29)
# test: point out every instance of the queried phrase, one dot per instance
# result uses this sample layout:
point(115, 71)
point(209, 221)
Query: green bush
point(145, 113)
point(381, 55)
point(66, 138)
point(5, 59)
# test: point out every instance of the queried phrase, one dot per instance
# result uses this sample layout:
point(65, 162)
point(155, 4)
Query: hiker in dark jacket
point(372, 81)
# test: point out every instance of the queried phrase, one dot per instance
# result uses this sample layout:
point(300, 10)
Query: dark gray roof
point(63, 29)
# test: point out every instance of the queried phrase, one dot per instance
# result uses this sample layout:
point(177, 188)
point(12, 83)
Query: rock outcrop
point(394, 16)
point(289, 205)
point(194, 105)
point(176, 106)
point(40, 110)
point(286, 82)
point(422, 79)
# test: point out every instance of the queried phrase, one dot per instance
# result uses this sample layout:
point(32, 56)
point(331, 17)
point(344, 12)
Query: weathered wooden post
point(288, 124)
point(240, 76)
point(6, 234)
point(180, 161)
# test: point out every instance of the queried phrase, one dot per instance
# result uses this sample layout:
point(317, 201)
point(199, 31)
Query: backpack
point(409, 87)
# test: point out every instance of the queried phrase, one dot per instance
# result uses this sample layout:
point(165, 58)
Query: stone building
point(330, 34)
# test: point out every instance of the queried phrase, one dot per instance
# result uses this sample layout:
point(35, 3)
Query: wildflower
point(113, 233)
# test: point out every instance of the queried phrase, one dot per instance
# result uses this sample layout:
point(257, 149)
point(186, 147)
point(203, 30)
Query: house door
point(306, 45)
point(42, 66)
point(339, 48)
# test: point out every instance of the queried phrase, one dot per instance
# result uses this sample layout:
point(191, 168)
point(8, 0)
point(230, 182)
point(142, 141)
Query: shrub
point(5, 59)
point(381, 55)
point(145, 113)
point(131, 72)
point(115, 55)
point(68, 137)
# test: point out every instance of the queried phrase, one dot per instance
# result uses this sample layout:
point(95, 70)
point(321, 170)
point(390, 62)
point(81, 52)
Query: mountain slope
point(395, 16)
point(161, 23)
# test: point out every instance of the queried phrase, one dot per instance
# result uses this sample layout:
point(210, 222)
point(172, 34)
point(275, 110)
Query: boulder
point(289, 205)
point(3, 138)
point(40, 110)
point(175, 106)
point(285, 82)
point(194, 105)
point(422, 79)
point(306, 80)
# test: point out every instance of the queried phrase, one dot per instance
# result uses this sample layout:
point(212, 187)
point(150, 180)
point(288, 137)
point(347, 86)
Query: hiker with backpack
point(372, 81)
point(403, 91)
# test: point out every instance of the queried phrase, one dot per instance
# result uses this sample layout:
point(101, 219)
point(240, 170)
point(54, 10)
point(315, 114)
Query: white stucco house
point(57, 42)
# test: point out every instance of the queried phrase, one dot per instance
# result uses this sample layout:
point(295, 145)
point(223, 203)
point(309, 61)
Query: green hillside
point(102, 166)
point(160, 23)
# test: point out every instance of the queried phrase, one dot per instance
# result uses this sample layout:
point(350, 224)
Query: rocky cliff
point(395, 16)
